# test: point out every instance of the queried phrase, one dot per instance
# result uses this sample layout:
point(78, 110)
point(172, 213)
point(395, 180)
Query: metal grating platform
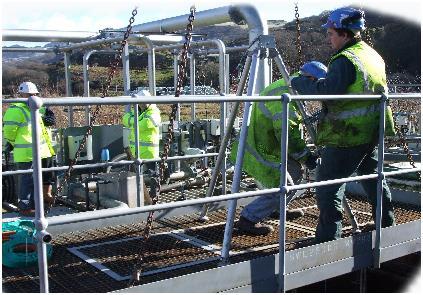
point(180, 245)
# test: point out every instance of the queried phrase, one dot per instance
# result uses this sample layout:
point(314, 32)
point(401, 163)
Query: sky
point(94, 15)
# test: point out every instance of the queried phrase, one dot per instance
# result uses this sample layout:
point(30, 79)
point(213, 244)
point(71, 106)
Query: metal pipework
point(47, 35)
point(35, 103)
point(24, 49)
point(103, 165)
point(234, 13)
point(100, 214)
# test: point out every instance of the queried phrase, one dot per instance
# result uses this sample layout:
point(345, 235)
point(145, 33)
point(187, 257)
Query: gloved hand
point(8, 147)
point(311, 161)
point(49, 119)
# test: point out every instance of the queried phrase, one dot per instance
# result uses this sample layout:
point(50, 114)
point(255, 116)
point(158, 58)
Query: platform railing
point(41, 223)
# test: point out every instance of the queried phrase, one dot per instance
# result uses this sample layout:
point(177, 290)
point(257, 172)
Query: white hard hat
point(28, 87)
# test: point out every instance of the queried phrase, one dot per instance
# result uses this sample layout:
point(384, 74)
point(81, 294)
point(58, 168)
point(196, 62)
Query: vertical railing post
point(68, 82)
point(85, 69)
point(125, 70)
point(283, 186)
point(239, 160)
point(175, 80)
point(152, 71)
point(222, 134)
point(223, 107)
point(192, 82)
point(40, 222)
point(381, 178)
point(138, 161)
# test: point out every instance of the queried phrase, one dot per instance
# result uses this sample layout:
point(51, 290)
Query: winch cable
point(156, 181)
point(111, 73)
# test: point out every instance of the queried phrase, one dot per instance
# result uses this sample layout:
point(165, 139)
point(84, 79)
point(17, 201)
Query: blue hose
point(21, 249)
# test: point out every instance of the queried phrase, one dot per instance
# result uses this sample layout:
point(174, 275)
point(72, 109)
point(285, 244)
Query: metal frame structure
point(380, 242)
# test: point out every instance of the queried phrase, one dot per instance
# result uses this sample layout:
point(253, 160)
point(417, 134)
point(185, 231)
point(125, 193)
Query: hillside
point(398, 41)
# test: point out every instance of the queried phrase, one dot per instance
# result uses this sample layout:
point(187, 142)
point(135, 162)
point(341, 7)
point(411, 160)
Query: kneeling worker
point(262, 152)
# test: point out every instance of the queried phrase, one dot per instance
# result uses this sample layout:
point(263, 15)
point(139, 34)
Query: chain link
point(156, 183)
point(94, 114)
point(298, 40)
point(404, 145)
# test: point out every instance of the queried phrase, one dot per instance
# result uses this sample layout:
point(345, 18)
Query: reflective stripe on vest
point(260, 159)
point(13, 123)
point(152, 120)
point(363, 70)
point(361, 112)
point(149, 144)
point(28, 145)
point(276, 91)
point(277, 116)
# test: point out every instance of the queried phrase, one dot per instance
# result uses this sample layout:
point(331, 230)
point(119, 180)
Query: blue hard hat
point(346, 18)
point(315, 69)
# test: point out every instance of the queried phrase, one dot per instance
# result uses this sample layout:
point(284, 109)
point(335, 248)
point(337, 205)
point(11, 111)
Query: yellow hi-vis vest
point(263, 147)
point(355, 122)
point(149, 136)
point(17, 131)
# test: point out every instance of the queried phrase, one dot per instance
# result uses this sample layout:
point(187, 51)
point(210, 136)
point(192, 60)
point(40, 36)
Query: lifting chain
point(155, 188)
point(111, 73)
point(404, 145)
point(298, 40)
point(308, 192)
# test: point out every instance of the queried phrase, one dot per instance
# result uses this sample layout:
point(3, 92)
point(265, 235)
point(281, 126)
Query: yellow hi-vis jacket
point(17, 131)
point(355, 122)
point(149, 136)
point(263, 147)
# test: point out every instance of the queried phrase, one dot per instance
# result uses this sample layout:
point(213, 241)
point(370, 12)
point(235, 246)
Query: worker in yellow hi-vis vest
point(149, 130)
point(17, 132)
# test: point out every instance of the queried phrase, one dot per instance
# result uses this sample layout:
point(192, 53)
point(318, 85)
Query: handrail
point(41, 222)
point(119, 100)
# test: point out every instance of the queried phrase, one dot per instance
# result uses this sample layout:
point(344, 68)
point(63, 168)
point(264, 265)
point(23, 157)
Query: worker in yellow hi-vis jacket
point(17, 132)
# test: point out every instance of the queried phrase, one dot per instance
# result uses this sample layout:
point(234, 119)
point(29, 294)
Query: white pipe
point(46, 35)
point(233, 13)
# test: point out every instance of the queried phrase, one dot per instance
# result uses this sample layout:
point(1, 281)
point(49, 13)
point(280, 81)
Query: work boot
point(256, 229)
point(47, 195)
point(290, 214)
